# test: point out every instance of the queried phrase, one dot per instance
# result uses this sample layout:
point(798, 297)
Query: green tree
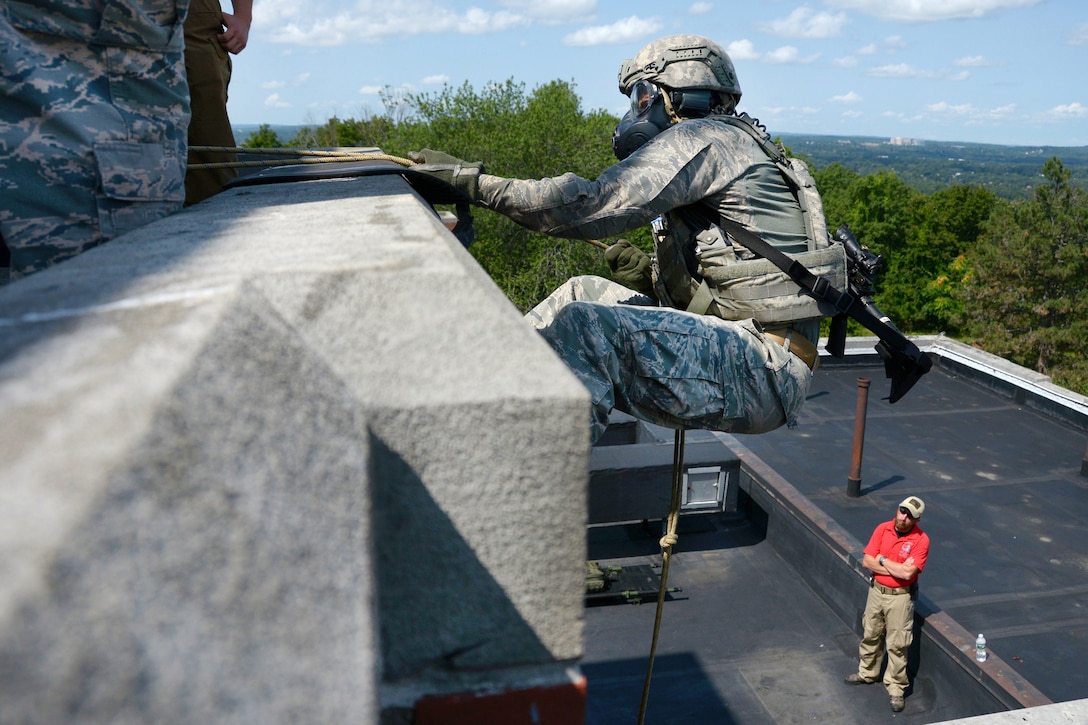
point(836, 184)
point(881, 206)
point(1024, 292)
point(263, 138)
point(345, 133)
point(944, 225)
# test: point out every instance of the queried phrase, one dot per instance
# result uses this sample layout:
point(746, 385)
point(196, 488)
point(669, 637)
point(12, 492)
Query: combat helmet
point(681, 76)
point(682, 62)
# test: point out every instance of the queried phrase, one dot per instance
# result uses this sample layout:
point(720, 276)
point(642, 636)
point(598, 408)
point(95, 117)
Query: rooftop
point(997, 454)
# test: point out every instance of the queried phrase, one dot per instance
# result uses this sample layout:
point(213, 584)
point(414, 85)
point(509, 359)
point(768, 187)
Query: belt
point(890, 590)
point(796, 343)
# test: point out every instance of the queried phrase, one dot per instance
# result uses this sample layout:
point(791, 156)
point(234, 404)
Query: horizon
point(251, 127)
point(960, 71)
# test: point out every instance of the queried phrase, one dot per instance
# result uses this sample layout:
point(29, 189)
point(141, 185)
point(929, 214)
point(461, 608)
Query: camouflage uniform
point(662, 364)
point(92, 124)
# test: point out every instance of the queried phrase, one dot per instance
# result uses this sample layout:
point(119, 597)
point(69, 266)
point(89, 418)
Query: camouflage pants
point(669, 367)
point(92, 136)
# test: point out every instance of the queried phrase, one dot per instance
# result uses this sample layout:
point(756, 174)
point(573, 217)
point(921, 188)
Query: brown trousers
point(208, 67)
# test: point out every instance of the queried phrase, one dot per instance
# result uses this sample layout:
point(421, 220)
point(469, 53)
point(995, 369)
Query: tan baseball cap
point(915, 505)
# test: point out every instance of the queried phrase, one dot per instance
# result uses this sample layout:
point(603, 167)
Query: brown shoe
point(855, 679)
point(897, 704)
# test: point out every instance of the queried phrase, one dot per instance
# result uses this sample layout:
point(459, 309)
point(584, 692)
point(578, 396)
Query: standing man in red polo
point(896, 555)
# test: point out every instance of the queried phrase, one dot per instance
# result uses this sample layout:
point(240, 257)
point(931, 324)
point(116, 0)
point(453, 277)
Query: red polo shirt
point(885, 541)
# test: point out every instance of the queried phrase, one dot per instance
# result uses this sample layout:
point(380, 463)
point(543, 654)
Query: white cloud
point(928, 11)
point(272, 85)
point(742, 50)
point(274, 101)
point(480, 22)
point(788, 54)
point(964, 109)
point(325, 23)
point(899, 70)
point(869, 49)
point(1071, 110)
point(554, 12)
point(807, 23)
point(969, 114)
point(1079, 36)
point(972, 61)
point(700, 8)
point(851, 97)
point(622, 31)
point(436, 80)
point(893, 44)
point(370, 90)
point(847, 62)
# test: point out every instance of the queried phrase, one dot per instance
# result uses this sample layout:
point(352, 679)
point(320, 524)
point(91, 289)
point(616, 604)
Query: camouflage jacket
point(696, 164)
point(697, 160)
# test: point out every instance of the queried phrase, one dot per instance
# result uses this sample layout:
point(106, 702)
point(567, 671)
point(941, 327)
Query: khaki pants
point(888, 622)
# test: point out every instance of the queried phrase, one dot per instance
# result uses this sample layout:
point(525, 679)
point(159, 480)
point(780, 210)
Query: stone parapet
point(286, 455)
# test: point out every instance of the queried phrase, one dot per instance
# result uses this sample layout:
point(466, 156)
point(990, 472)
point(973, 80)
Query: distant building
point(900, 141)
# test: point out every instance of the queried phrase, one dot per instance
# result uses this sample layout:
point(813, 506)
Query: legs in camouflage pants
point(667, 366)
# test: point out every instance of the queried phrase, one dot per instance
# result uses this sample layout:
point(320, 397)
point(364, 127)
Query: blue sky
point(987, 71)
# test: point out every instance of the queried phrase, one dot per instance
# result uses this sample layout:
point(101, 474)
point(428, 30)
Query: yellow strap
point(300, 156)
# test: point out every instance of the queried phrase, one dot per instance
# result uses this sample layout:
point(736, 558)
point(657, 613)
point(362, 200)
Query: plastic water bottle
point(980, 649)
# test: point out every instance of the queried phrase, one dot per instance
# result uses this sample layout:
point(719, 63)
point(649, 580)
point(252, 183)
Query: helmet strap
point(673, 115)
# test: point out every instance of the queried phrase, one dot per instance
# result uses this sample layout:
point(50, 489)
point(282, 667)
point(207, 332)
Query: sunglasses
point(906, 512)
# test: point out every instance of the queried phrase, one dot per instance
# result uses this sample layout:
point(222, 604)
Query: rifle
point(904, 363)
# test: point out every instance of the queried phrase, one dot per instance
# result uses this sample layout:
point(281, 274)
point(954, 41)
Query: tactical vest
point(729, 283)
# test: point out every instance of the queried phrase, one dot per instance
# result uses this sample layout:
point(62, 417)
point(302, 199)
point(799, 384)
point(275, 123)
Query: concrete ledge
point(1060, 713)
point(273, 458)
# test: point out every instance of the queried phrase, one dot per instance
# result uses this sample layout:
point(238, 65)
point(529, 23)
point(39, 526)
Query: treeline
point(1009, 276)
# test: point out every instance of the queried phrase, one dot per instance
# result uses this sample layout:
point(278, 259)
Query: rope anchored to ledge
point(300, 156)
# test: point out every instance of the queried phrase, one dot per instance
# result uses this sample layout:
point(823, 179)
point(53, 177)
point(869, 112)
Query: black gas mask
point(649, 115)
point(646, 119)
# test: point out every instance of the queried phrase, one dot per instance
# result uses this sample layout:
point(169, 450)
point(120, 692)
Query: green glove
point(630, 266)
point(462, 175)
